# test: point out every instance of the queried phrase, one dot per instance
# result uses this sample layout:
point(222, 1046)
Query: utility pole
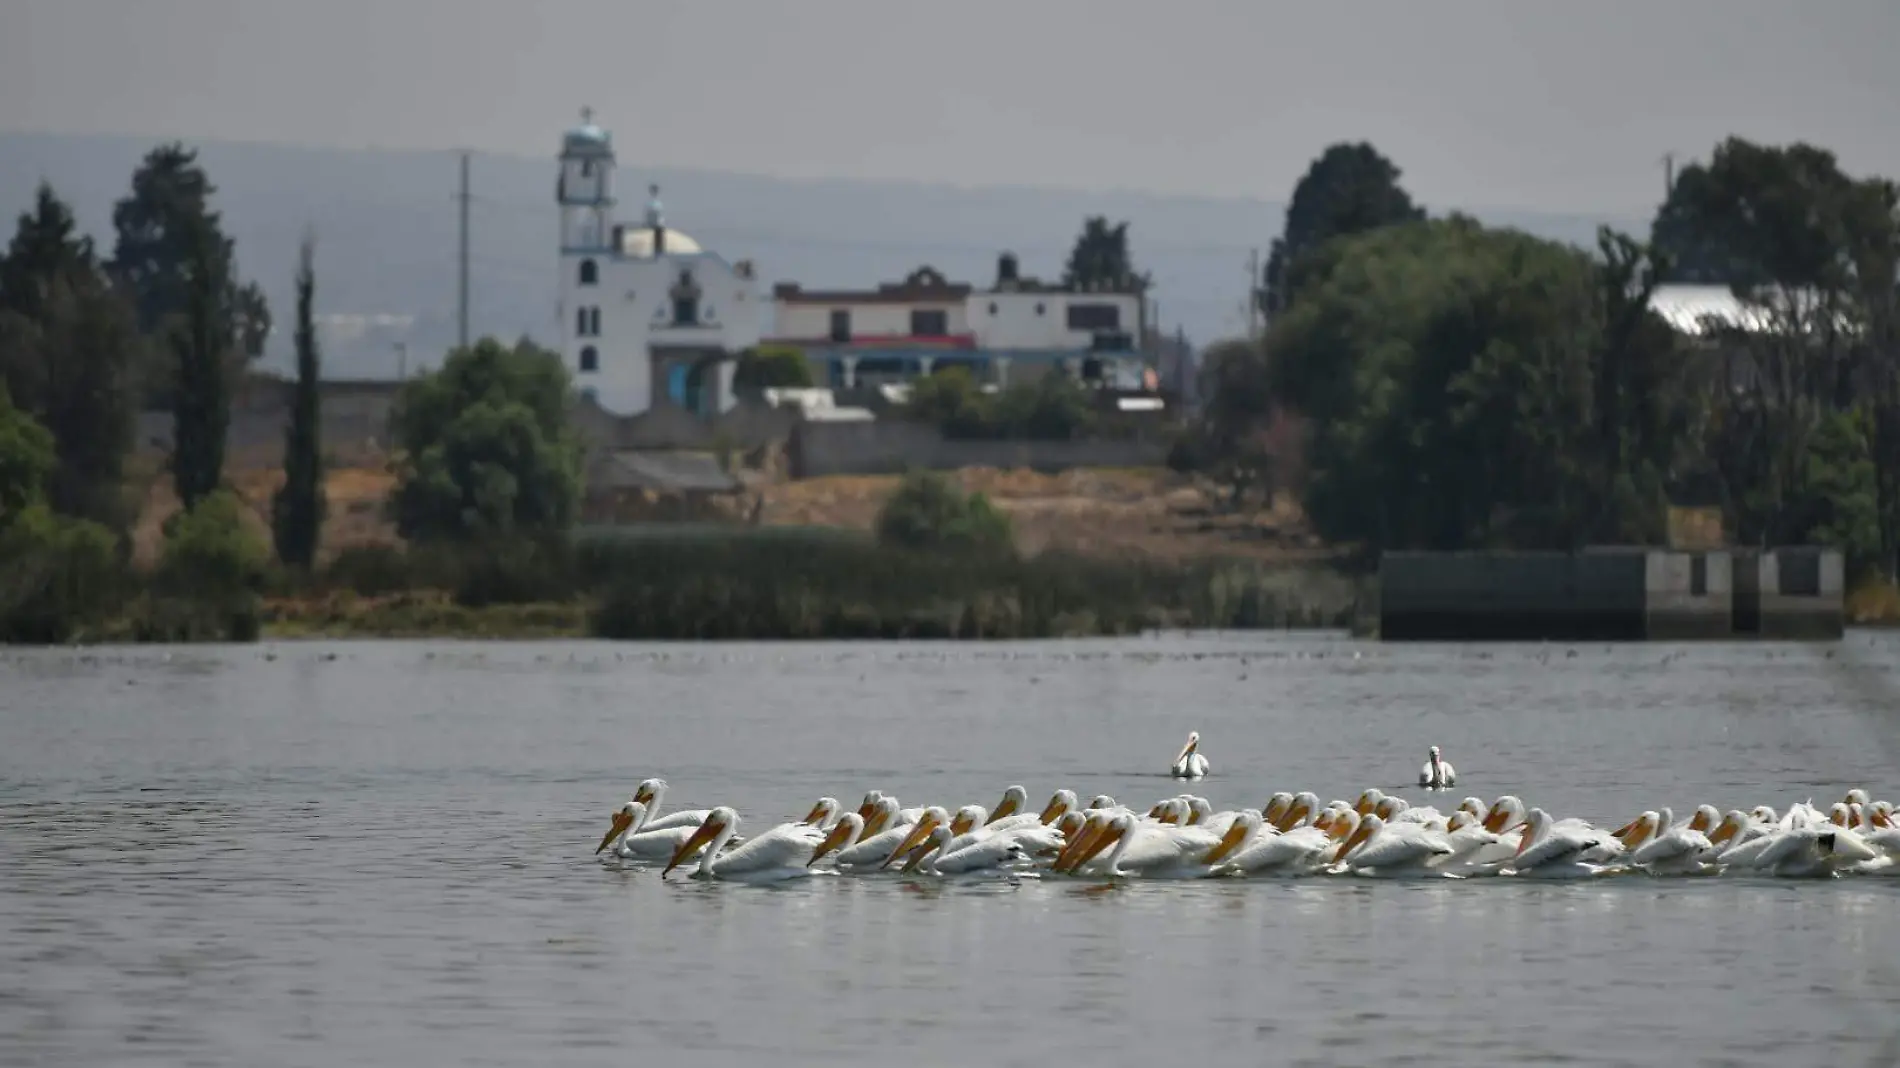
point(1669, 174)
point(461, 278)
point(402, 361)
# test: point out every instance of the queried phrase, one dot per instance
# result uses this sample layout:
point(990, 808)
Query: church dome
point(637, 241)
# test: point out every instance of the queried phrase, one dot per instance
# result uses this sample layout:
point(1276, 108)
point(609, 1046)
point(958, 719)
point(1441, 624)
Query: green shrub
point(928, 511)
point(59, 577)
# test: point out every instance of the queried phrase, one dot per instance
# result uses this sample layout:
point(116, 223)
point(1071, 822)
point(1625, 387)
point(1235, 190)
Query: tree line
point(1428, 382)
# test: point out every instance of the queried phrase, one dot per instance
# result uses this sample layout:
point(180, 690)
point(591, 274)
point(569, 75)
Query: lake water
point(381, 853)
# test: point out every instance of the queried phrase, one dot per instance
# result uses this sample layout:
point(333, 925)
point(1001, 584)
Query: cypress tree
point(298, 508)
point(201, 404)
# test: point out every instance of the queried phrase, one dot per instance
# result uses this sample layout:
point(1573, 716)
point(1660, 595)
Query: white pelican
point(1684, 850)
point(650, 793)
point(1470, 846)
point(1303, 850)
point(883, 831)
point(1814, 851)
point(1389, 850)
point(928, 820)
point(1190, 764)
point(1150, 849)
point(629, 837)
point(994, 855)
point(784, 852)
point(849, 828)
point(1555, 850)
point(1437, 774)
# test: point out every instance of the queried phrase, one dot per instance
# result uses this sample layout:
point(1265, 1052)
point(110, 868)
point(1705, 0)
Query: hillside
point(385, 222)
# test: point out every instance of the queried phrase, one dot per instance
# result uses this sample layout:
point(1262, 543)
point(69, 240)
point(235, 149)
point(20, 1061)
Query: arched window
point(590, 359)
point(590, 273)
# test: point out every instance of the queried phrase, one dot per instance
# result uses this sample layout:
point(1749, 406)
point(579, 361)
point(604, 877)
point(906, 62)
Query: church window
point(590, 359)
point(587, 168)
point(590, 272)
point(587, 322)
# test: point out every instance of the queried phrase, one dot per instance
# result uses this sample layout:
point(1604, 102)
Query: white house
point(901, 329)
point(648, 316)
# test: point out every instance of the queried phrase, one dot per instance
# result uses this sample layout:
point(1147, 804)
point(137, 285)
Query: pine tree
point(298, 508)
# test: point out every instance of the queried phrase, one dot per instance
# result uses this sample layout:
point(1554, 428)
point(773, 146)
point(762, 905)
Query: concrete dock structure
point(1611, 594)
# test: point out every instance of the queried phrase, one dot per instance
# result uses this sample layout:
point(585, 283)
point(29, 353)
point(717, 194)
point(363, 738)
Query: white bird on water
point(1190, 764)
point(1437, 774)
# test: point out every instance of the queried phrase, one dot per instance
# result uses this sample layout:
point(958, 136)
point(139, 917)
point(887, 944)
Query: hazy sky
point(1515, 103)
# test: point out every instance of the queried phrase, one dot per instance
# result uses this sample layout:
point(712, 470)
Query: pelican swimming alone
point(1437, 774)
point(1190, 764)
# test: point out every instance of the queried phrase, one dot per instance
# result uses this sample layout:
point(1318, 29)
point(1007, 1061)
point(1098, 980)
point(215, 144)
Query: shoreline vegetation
point(1425, 382)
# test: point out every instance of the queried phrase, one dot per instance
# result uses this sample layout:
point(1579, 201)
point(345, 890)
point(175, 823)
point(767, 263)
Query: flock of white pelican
point(1293, 834)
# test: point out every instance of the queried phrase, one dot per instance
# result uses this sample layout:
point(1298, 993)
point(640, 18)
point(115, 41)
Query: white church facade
point(648, 317)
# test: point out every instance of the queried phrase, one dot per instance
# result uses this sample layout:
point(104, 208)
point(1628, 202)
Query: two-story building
point(1016, 329)
point(648, 316)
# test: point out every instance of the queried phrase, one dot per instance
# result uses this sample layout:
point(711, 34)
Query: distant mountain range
point(386, 228)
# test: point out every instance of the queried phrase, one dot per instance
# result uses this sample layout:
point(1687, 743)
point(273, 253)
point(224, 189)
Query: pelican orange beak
point(1291, 818)
point(1366, 805)
point(1109, 835)
point(817, 813)
point(1228, 843)
point(834, 840)
point(869, 806)
point(1387, 808)
point(875, 822)
point(1064, 860)
point(1187, 750)
point(1053, 811)
point(644, 794)
point(917, 856)
point(1880, 818)
point(1006, 807)
point(622, 820)
point(917, 834)
point(1494, 819)
point(706, 833)
point(1699, 822)
point(1639, 833)
point(1274, 811)
point(1728, 829)
point(961, 824)
point(1353, 841)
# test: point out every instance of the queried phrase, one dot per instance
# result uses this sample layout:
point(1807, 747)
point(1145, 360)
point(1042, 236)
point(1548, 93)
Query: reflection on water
point(323, 854)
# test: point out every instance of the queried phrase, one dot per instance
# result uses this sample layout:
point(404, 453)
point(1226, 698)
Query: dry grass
point(1147, 513)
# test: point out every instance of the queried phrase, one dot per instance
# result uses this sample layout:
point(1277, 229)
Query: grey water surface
point(382, 853)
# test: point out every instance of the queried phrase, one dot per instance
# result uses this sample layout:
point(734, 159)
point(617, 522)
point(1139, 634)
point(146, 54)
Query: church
point(648, 317)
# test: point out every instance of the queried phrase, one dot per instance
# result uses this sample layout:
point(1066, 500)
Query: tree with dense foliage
point(68, 350)
point(1810, 251)
point(201, 345)
point(929, 511)
point(486, 446)
point(770, 367)
point(297, 510)
point(1350, 189)
point(166, 231)
point(1101, 260)
point(1453, 376)
point(26, 458)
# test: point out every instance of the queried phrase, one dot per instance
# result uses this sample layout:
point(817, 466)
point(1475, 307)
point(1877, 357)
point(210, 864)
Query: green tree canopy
point(1100, 258)
point(768, 367)
point(1454, 377)
point(69, 349)
point(1350, 189)
point(26, 458)
point(162, 227)
point(486, 444)
point(297, 509)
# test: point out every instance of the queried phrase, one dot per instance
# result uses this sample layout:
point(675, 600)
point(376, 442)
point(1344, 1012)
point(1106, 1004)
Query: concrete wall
point(1638, 594)
point(892, 447)
point(1791, 594)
